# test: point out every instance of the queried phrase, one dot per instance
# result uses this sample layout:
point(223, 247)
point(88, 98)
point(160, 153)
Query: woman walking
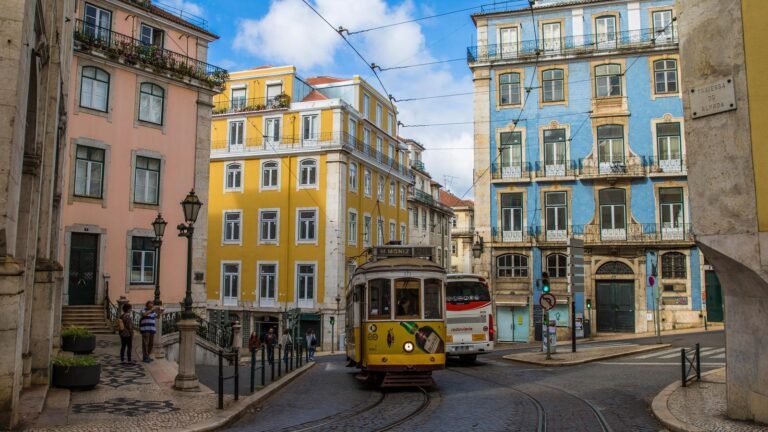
point(125, 329)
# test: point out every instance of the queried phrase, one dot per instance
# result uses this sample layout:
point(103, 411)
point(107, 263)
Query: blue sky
point(279, 32)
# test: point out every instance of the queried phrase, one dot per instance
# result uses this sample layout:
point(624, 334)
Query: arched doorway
point(615, 298)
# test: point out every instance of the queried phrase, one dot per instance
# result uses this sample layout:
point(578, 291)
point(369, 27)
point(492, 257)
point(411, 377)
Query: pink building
point(138, 140)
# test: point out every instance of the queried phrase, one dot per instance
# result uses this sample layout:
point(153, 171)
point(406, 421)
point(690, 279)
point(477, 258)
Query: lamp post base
point(186, 380)
point(158, 350)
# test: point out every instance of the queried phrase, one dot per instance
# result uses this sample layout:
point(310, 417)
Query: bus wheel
point(468, 359)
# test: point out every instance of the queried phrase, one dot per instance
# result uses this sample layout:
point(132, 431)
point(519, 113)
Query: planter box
point(76, 377)
point(78, 345)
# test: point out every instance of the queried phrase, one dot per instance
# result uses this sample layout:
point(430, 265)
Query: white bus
point(469, 316)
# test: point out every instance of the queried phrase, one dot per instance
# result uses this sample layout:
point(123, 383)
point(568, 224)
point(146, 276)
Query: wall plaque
point(713, 98)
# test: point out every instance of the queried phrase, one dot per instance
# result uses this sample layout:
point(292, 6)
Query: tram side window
point(407, 298)
point(433, 299)
point(380, 295)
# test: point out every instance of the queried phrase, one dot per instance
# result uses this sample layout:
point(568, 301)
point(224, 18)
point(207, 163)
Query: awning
point(511, 300)
point(309, 317)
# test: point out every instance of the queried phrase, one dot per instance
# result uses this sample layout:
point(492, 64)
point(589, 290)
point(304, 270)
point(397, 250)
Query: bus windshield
point(462, 292)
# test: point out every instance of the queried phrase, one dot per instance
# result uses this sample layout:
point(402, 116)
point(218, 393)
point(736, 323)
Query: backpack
point(120, 324)
point(312, 341)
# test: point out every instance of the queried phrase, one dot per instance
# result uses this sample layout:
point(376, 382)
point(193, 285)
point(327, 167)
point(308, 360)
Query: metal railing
point(596, 168)
point(594, 234)
point(133, 51)
point(666, 166)
point(573, 45)
point(221, 107)
point(554, 170)
point(424, 197)
point(517, 172)
point(233, 357)
point(213, 333)
point(462, 230)
point(690, 362)
point(417, 164)
point(511, 236)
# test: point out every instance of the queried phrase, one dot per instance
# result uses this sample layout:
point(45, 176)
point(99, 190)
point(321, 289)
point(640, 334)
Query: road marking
point(657, 353)
point(657, 364)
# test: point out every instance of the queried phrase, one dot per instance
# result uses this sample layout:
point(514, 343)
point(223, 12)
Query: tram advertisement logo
point(427, 339)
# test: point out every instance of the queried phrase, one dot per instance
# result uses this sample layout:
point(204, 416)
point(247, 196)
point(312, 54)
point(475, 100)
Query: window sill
point(269, 242)
point(269, 188)
point(557, 102)
point(306, 242)
point(140, 286)
point(232, 243)
point(90, 200)
point(240, 190)
point(93, 111)
point(149, 124)
point(146, 206)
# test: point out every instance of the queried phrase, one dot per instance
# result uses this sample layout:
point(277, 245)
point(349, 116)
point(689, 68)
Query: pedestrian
point(148, 328)
point(311, 343)
point(253, 342)
point(287, 343)
point(270, 339)
point(125, 330)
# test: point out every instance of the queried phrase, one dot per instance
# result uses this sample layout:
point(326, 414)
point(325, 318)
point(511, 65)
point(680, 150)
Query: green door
point(615, 306)
point(82, 269)
point(714, 297)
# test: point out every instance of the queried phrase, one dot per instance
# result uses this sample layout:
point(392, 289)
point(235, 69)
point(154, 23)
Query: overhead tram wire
point(412, 20)
point(381, 69)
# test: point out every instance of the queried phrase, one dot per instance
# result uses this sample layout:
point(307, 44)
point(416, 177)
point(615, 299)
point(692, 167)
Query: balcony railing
point(417, 164)
point(593, 234)
point(327, 140)
point(573, 45)
point(128, 50)
point(512, 236)
point(633, 167)
point(556, 169)
point(667, 166)
point(512, 172)
point(462, 230)
point(281, 101)
point(423, 197)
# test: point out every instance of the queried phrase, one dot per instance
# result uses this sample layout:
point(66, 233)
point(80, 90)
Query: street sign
point(651, 280)
point(547, 301)
point(575, 265)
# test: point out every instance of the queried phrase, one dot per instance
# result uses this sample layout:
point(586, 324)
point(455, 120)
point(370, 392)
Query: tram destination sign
point(403, 252)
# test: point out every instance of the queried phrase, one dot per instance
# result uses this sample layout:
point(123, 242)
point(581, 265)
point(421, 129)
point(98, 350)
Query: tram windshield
point(407, 298)
point(380, 299)
point(433, 301)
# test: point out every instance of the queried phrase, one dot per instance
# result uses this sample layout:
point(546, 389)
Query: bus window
point(463, 292)
point(433, 299)
point(379, 298)
point(407, 298)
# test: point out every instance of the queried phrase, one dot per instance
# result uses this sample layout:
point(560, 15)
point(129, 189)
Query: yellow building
point(304, 175)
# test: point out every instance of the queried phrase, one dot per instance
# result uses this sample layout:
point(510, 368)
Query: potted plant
point(78, 340)
point(77, 373)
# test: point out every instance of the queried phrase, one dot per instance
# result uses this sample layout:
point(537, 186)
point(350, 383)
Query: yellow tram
point(395, 320)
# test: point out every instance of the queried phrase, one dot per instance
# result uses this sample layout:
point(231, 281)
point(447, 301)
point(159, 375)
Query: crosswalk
point(674, 353)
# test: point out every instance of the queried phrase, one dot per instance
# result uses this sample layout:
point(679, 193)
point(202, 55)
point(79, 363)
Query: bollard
point(221, 379)
point(298, 356)
point(698, 364)
point(263, 365)
point(291, 354)
point(682, 363)
point(253, 367)
point(237, 373)
point(279, 360)
point(272, 350)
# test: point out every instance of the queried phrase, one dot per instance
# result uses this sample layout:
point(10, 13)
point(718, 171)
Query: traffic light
point(333, 320)
point(589, 303)
point(545, 282)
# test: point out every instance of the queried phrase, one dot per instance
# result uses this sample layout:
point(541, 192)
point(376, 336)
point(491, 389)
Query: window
point(352, 128)
point(267, 283)
point(151, 36)
point(151, 103)
point(305, 281)
point(269, 175)
point(673, 266)
point(512, 265)
point(392, 193)
point(672, 213)
point(272, 130)
point(454, 222)
point(665, 76)
point(433, 299)
point(231, 284)
point(352, 228)
point(367, 141)
point(552, 85)
point(391, 154)
point(509, 42)
point(379, 119)
point(273, 90)
point(89, 172)
point(390, 124)
point(232, 226)
point(415, 217)
point(512, 217)
point(367, 230)
point(424, 219)
point(307, 222)
point(557, 265)
point(433, 219)
point(234, 177)
point(551, 36)
point(402, 196)
point(142, 260)
point(511, 154)
point(407, 296)
point(554, 152)
point(402, 234)
point(380, 298)
point(663, 27)
point(556, 215)
point(605, 27)
point(392, 231)
point(353, 177)
point(236, 134)
point(366, 105)
point(670, 148)
point(613, 214)
point(454, 247)
point(94, 89)
point(379, 147)
point(509, 89)
point(269, 225)
point(308, 169)
point(608, 80)
point(146, 180)
point(239, 98)
point(380, 189)
point(610, 148)
point(367, 182)
point(310, 129)
point(380, 231)
point(98, 22)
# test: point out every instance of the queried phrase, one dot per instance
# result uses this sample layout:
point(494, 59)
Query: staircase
point(88, 316)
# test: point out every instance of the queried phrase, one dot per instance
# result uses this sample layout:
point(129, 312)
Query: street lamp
point(333, 324)
point(477, 248)
point(159, 226)
point(191, 206)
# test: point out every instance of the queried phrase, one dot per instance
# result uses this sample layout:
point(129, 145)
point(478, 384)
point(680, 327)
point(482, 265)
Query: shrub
point(76, 332)
point(75, 361)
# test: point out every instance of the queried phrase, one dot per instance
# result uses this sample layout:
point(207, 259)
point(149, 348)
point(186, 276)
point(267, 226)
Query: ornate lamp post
point(159, 226)
point(187, 378)
point(477, 250)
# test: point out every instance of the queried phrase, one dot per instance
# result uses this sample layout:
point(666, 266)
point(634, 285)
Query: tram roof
point(393, 264)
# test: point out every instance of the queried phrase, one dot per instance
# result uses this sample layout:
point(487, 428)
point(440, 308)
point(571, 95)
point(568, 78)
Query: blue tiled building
point(579, 133)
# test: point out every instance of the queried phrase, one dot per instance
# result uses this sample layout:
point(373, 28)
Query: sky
point(282, 32)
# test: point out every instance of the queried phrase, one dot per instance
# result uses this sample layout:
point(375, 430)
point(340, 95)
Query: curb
point(550, 363)
point(665, 416)
point(236, 410)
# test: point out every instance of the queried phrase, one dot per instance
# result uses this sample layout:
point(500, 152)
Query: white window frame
point(143, 253)
point(392, 193)
point(380, 189)
point(262, 187)
point(316, 184)
point(236, 147)
point(267, 301)
point(226, 176)
point(298, 225)
point(403, 234)
point(269, 138)
point(367, 182)
point(315, 129)
point(390, 124)
point(276, 240)
point(367, 229)
point(380, 231)
point(224, 240)
point(352, 230)
point(379, 115)
point(392, 230)
point(366, 105)
point(304, 303)
point(224, 302)
point(238, 104)
point(402, 196)
point(353, 179)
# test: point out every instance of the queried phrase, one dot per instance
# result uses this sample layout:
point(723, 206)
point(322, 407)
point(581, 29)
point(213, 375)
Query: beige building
point(37, 50)
point(462, 231)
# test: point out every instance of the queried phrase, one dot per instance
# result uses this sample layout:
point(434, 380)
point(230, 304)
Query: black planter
point(76, 377)
point(79, 344)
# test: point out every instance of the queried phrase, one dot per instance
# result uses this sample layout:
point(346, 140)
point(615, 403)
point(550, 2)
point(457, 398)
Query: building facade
point(429, 217)
point(305, 175)
point(579, 133)
point(37, 50)
point(138, 141)
point(462, 231)
point(729, 178)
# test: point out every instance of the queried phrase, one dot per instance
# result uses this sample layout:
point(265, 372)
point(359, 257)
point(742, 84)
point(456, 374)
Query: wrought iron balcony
point(573, 45)
point(127, 50)
point(462, 230)
point(669, 166)
point(424, 197)
point(511, 173)
point(554, 170)
point(281, 101)
point(512, 237)
point(593, 234)
point(593, 168)
point(417, 164)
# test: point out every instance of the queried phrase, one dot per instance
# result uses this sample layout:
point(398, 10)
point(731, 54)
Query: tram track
point(425, 403)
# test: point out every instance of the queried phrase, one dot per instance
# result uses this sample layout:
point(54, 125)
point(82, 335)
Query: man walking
point(270, 340)
point(311, 343)
point(148, 328)
point(125, 329)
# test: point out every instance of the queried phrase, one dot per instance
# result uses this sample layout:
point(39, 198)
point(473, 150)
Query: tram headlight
point(408, 346)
